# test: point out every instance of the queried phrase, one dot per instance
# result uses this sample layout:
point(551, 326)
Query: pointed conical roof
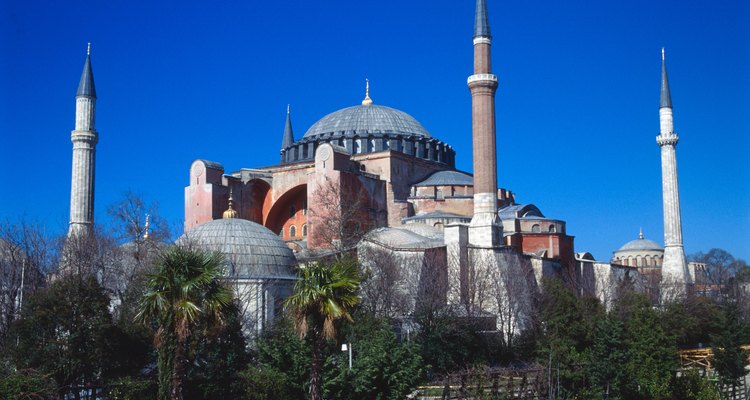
point(666, 98)
point(481, 22)
point(86, 86)
point(288, 138)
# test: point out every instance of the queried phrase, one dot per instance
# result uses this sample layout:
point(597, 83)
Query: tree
point(324, 294)
point(184, 288)
point(604, 369)
point(650, 352)
point(720, 266)
point(382, 367)
point(729, 357)
point(27, 254)
point(66, 331)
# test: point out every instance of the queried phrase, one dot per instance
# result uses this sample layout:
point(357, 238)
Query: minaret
point(674, 267)
point(485, 229)
point(288, 138)
point(84, 139)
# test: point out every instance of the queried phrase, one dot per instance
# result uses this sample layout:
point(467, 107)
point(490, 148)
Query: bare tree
point(134, 220)
point(338, 219)
point(27, 254)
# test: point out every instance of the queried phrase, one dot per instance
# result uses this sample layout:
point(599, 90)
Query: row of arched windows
point(638, 261)
point(293, 231)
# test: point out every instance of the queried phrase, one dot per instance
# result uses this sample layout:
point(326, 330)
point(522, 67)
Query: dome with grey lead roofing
point(448, 178)
point(366, 119)
point(641, 245)
point(252, 251)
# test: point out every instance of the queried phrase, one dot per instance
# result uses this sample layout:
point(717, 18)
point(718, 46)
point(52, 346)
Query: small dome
point(448, 178)
point(251, 250)
point(641, 244)
point(367, 119)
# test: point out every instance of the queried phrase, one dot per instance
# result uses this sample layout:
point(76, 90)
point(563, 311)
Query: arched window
point(292, 231)
point(552, 228)
point(438, 225)
point(536, 228)
point(304, 230)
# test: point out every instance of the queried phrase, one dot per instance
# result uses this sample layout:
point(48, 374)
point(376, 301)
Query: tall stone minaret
point(288, 138)
point(485, 229)
point(674, 268)
point(84, 139)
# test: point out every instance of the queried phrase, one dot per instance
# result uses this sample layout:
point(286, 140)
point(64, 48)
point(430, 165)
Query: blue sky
point(577, 106)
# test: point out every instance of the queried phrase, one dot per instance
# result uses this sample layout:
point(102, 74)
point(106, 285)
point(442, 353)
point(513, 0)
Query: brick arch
point(254, 194)
point(280, 214)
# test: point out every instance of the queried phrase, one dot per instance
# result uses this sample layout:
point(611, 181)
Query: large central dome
point(367, 119)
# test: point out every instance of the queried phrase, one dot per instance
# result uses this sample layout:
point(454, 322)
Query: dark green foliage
point(691, 386)
point(66, 331)
point(567, 325)
point(267, 383)
point(729, 358)
point(184, 291)
point(382, 368)
point(437, 341)
point(129, 388)
point(692, 321)
point(608, 355)
point(218, 355)
point(25, 384)
point(652, 356)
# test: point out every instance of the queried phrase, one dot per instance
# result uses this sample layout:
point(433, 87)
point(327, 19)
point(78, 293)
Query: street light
point(348, 347)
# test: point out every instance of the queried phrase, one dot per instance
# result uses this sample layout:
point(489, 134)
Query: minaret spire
point(84, 139)
point(288, 139)
point(675, 274)
point(481, 21)
point(485, 229)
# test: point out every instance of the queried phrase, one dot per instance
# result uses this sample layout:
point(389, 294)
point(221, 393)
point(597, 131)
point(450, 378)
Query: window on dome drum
point(552, 229)
point(304, 230)
point(292, 211)
point(292, 231)
point(536, 228)
point(355, 144)
point(439, 194)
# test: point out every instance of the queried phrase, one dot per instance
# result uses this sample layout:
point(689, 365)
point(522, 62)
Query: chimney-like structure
point(485, 229)
point(84, 139)
point(675, 274)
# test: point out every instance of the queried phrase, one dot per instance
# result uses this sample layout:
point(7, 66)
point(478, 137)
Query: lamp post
point(348, 347)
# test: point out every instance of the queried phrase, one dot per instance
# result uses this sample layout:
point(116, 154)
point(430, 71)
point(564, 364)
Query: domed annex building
point(260, 266)
point(642, 253)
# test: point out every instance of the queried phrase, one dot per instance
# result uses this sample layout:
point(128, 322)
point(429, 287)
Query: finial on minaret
point(86, 84)
point(288, 138)
point(367, 101)
point(640, 234)
point(662, 53)
point(288, 109)
point(145, 235)
point(88, 49)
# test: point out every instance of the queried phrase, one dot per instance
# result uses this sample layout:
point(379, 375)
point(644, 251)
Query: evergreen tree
point(729, 357)
point(66, 331)
point(608, 356)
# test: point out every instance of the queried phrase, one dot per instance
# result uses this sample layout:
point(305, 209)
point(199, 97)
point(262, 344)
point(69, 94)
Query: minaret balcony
point(490, 78)
point(667, 140)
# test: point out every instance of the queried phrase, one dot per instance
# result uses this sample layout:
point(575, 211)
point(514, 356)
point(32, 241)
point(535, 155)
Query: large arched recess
point(289, 210)
point(254, 193)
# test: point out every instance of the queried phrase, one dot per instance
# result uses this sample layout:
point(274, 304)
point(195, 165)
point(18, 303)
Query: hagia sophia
point(376, 174)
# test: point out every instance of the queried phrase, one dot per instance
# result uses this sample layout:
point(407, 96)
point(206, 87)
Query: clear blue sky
point(577, 107)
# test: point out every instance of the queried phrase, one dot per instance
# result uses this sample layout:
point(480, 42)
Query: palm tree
point(323, 294)
point(186, 286)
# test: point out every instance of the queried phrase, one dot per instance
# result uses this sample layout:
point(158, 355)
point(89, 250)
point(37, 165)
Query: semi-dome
point(252, 250)
point(364, 119)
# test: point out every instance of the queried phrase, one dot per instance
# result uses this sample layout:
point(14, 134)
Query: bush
point(691, 386)
point(26, 384)
point(128, 388)
point(265, 383)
